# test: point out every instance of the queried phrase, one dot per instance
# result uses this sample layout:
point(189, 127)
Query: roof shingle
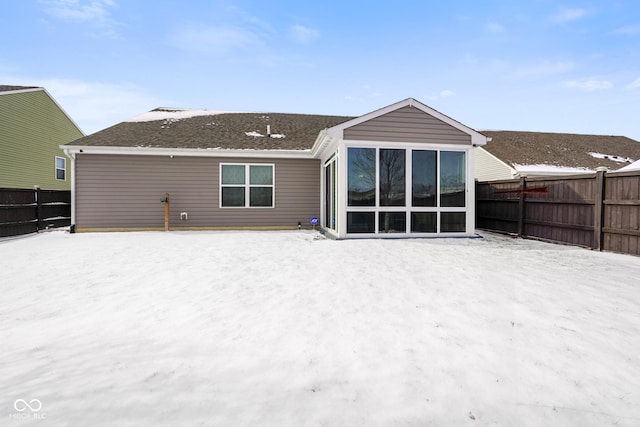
point(197, 129)
point(562, 149)
point(236, 131)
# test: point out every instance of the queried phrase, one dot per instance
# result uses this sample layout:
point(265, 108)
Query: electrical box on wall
point(183, 216)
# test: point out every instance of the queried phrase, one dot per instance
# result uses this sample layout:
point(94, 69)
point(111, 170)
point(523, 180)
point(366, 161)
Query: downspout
point(72, 157)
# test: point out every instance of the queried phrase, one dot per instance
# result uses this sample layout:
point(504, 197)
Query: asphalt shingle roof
point(248, 131)
point(562, 149)
point(225, 131)
point(9, 88)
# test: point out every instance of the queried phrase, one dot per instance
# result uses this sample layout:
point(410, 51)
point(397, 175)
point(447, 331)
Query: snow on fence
point(599, 211)
point(24, 211)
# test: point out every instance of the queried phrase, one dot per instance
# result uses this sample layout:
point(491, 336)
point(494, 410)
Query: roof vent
point(268, 131)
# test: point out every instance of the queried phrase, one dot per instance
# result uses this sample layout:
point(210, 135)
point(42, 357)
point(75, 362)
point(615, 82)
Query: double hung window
point(246, 185)
point(61, 168)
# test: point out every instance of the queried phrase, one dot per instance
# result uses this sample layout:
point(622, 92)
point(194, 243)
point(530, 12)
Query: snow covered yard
point(291, 329)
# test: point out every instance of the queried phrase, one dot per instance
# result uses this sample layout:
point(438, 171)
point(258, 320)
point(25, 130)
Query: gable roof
point(165, 129)
point(562, 149)
point(476, 137)
point(201, 129)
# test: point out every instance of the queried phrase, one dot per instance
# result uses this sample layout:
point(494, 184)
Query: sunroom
point(403, 171)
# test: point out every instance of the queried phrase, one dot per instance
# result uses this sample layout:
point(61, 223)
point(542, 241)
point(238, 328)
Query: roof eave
point(321, 144)
point(22, 90)
point(186, 152)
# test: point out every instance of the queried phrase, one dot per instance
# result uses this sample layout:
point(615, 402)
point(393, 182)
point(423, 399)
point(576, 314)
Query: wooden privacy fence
point(24, 211)
point(599, 211)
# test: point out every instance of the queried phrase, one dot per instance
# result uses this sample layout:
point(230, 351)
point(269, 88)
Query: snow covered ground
point(292, 329)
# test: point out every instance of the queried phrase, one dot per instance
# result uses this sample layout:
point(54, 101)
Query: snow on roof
point(258, 134)
point(549, 169)
point(619, 159)
point(174, 114)
point(632, 167)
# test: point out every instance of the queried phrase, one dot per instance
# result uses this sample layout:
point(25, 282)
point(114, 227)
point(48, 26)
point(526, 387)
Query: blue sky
point(536, 65)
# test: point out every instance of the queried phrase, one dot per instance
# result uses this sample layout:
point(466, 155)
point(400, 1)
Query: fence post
point(598, 209)
point(523, 186)
point(38, 208)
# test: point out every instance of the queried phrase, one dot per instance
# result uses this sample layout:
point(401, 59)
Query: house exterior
point(632, 167)
point(491, 168)
point(32, 127)
point(403, 170)
point(511, 154)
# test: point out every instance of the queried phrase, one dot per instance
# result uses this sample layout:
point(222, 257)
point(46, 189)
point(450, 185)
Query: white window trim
point(247, 186)
point(408, 208)
point(56, 168)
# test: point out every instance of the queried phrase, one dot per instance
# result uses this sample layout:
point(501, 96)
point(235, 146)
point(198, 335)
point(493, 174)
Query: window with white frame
point(246, 185)
point(413, 190)
point(61, 168)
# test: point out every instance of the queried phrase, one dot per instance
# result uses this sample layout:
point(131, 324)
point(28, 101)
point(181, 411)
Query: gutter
point(72, 158)
point(187, 152)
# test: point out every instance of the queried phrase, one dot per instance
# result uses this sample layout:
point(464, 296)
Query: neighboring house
point(635, 166)
point(491, 168)
point(511, 154)
point(32, 127)
point(403, 170)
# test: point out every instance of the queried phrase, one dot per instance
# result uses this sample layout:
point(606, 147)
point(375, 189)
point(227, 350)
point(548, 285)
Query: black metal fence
point(24, 211)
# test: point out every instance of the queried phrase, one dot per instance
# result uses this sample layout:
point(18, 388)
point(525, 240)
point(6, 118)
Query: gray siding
point(118, 191)
point(407, 124)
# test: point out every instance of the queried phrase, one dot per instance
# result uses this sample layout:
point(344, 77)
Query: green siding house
point(32, 128)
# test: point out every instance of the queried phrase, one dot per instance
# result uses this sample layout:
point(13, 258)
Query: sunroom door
point(331, 195)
